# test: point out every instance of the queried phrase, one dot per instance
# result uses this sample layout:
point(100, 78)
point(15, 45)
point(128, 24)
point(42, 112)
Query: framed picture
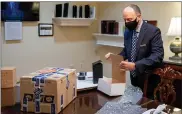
point(45, 29)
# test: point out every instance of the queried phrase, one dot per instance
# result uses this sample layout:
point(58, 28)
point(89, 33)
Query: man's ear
point(138, 17)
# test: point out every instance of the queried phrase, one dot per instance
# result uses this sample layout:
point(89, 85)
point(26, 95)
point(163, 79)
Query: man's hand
point(127, 65)
point(108, 56)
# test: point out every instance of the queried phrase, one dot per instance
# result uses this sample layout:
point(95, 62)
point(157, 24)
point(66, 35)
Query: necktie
point(133, 51)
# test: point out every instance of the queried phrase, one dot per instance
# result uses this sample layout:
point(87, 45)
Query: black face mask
point(132, 24)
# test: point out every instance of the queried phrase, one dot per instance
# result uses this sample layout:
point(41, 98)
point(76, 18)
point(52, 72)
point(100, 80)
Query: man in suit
point(143, 46)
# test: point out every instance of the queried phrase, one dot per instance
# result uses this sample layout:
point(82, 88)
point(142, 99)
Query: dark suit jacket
point(149, 52)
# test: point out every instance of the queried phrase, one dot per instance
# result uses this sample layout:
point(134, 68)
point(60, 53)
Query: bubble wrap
point(127, 103)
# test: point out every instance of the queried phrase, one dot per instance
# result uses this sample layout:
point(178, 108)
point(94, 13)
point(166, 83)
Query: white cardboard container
point(114, 86)
point(106, 86)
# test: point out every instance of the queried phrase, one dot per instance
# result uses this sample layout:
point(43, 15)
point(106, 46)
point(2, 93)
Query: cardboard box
point(116, 85)
point(8, 96)
point(49, 90)
point(8, 77)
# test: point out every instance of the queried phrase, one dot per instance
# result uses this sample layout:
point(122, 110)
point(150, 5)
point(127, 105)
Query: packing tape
point(67, 82)
point(37, 97)
point(42, 80)
point(39, 81)
point(37, 93)
point(53, 109)
point(58, 69)
point(25, 104)
point(61, 102)
point(37, 106)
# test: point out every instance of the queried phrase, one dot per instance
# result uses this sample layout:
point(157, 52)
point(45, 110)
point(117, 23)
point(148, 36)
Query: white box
point(114, 86)
point(107, 86)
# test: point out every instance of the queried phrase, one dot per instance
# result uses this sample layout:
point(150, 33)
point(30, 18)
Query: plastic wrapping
point(126, 105)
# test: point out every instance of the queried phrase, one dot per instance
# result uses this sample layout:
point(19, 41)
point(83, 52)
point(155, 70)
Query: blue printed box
point(48, 90)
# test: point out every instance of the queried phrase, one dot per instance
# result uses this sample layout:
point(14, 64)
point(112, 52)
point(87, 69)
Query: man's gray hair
point(135, 8)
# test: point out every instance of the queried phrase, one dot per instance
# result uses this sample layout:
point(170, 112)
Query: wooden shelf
point(109, 39)
point(73, 21)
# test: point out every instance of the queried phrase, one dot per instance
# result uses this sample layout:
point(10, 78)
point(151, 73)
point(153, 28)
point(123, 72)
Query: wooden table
point(87, 102)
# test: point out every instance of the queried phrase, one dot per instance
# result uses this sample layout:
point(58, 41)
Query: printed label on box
point(29, 97)
point(42, 98)
point(48, 99)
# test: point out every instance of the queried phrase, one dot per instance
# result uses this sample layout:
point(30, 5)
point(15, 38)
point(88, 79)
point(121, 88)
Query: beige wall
point(160, 11)
point(69, 46)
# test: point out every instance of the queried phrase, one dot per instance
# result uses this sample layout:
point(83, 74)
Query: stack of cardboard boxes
point(8, 82)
